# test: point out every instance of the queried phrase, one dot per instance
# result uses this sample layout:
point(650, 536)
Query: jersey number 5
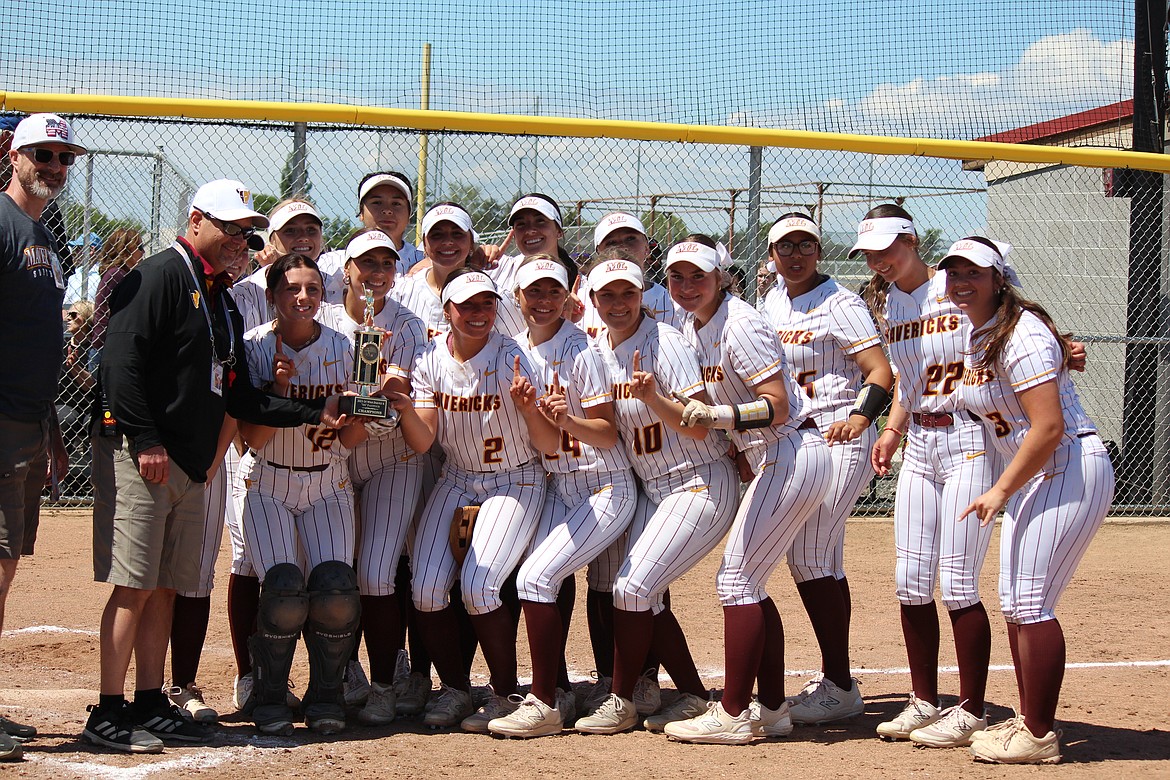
point(805, 380)
point(948, 375)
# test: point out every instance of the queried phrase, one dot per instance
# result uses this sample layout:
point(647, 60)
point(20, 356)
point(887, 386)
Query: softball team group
point(603, 423)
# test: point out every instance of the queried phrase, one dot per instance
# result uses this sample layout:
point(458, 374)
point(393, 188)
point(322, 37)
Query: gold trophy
point(367, 362)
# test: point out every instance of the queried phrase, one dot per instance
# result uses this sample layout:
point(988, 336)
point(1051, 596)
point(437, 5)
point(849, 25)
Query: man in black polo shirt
point(32, 287)
point(172, 365)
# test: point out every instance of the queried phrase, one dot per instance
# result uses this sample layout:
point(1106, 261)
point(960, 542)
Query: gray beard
point(37, 188)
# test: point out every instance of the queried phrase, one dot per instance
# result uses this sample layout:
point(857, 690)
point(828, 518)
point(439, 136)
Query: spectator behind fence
point(78, 375)
point(121, 251)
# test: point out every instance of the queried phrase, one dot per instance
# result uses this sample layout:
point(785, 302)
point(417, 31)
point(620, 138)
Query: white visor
point(445, 212)
point(877, 234)
point(378, 181)
point(371, 239)
point(699, 255)
point(542, 269)
point(285, 213)
point(984, 256)
point(616, 221)
point(537, 204)
point(613, 270)
point(466, 286)
point(790, 225)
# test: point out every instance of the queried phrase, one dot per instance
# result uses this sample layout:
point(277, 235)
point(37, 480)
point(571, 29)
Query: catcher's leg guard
point(335, 610)
point(284, 606)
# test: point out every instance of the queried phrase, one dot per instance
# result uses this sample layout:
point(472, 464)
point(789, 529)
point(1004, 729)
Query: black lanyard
point(231, 358)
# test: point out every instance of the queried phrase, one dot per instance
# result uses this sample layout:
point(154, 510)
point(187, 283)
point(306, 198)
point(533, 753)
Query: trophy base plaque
point(366, 406)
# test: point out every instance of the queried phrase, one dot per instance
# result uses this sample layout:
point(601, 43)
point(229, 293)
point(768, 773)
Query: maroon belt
point(934, 419)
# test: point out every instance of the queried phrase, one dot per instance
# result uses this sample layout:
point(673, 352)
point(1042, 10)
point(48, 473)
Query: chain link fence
point(1077, 231)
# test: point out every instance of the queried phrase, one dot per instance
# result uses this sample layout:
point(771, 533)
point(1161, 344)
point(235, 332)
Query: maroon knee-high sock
point(496, 631)
point(973, 650)
point(382, 626)
point(543, 622)
point(188, 633)
point(1013, 633)
point(847, 600)
point(565, 602)
point(468, 641)
point(920, 630)
point(599, 614)
point(743, 648)
point(669, 645)
point(1042, 653)
point(437, 629)
point(771, 672)
point(243, 604)
point(830, 621)
point(632, 635)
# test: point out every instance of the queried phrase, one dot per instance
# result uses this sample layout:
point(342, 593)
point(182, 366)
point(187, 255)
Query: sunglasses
point(786, 248)
point(230, 229)
point(72, 315)
point(46, 155)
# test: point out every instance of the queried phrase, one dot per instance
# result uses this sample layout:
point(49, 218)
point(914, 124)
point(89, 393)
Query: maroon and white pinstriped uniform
point(250, 298)
point(820, 332)
point(943, 468)
point(298, 505)
point(1049, 522)
point(386, 473)
point(490, 461)
point(590, 500)
point(689, 487)
point(737, 350)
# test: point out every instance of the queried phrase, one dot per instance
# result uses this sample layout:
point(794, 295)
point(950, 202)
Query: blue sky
point(959, 70)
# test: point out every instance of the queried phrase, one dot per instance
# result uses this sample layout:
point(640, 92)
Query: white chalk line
point(50, 630)
point(244, 749)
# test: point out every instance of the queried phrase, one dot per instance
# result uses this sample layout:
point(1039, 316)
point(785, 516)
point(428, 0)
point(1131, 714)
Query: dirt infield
point(1114, 711)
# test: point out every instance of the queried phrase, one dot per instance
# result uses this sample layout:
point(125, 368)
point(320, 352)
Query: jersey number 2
point(947, 375)
point(492, 448)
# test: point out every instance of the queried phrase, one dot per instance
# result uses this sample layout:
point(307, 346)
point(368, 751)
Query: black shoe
point(115, 728)
point(10, 749)
point(274, 719)
point(168, 723)
point(18, 731)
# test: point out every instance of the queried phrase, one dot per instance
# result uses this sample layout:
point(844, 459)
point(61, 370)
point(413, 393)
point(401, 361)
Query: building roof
point(1073, 124)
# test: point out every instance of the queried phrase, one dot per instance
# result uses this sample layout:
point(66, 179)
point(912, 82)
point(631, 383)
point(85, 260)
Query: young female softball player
point(448, 241)
point(385, 202)
point(386, 473)
point(298, 508)
point(475, 393)
point(833, 349)
point(294, 225)
point(946, 464)
point(1056, 487)
point(535, 227)
point(590, 499)
point(756, 401)
point(688, 497)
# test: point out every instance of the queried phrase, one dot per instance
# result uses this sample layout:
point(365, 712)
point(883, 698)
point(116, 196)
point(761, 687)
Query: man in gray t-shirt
point(31, 289)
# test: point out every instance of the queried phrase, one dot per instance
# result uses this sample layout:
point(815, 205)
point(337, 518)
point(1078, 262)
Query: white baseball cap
point(541, 269)
point(984, 256)
point(536, 203)
point(609, 271)
point(378, 179)
point(37, 129)
point(879, 233)
point(616, 221)
point(699, 255)
point(228, 200)
point(447, 212)
point(285, 213)
point(364, 242)
point(792, 224)
point(464, 286)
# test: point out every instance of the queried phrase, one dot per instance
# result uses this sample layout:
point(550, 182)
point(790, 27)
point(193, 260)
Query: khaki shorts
point(24, 463)
point(155, 536)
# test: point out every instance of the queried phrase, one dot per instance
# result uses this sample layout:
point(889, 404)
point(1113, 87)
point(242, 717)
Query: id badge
point(58, 274)
point(217, 377)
